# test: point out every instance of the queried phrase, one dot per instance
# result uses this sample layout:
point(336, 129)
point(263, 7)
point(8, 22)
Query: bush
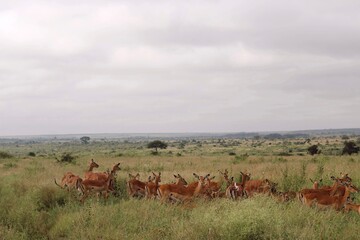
point(31, 154)
point(350, 148)
point(66, 158)
point(4, 155)
point(314, 149)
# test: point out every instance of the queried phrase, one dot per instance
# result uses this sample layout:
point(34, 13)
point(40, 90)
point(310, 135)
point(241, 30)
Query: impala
point(93, 165)
point(352, 207)
point(99, 186)
point(324, 200)
point(136, 188)
point(194, 189)
point(152, 187)
point(164, 190)
point(259, 186)
point(237, 190)
point(69, 181)
point(337, 189)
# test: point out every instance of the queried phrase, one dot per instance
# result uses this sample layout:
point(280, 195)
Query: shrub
point(314, 149)
point(4, 155)
point(66, 158)
point(31, 154)
point(350, 148)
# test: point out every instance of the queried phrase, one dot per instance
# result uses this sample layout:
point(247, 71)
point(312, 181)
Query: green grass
point(32, 207)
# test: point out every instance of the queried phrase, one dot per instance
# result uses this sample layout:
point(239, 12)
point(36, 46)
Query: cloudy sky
point(178, 66)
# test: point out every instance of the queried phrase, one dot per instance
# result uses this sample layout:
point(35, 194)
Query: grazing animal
point(135, 187)
point(237, 189)
point(259, 186)
point(194, 189)
point(165, 190)
point(152, 187)
point(90, 172)
point(98, 186)
point(69, 181)
point(352, 207)
point(325, 200)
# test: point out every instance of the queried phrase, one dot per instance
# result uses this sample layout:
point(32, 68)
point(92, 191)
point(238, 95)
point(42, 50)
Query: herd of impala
point(336, 196)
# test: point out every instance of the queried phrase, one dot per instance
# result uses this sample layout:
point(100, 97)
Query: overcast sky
point(178, 66)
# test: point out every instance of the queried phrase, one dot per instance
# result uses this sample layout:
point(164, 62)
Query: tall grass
point(32, 207)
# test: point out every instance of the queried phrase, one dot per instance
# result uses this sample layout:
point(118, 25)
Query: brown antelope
point(238, 189)
point(136, 188)
point(98, 186)
point(335, 190)
point(228, 182)
point(103, 176)
point(352, 207)
point(194, 189)
point(93, 165)
point(324, 200)
point(69, 181)
point(164, 190)
point(259, 186)
point(152, 187)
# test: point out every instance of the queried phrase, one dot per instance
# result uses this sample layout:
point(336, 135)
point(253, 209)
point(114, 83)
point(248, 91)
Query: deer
point(90, 172)
point(152, 187)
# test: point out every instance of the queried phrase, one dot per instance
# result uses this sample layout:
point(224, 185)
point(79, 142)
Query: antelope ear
point(195, 175)
point(212, 178)
point(333, 178)
point(92, 160)
point(175, 176)
point(153, 173)
point(159, 173)
point(242, 173)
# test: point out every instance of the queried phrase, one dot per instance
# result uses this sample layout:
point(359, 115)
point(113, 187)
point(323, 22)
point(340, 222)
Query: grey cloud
point(136, 66)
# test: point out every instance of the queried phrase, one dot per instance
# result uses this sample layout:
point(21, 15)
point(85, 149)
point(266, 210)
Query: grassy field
point(33, 207)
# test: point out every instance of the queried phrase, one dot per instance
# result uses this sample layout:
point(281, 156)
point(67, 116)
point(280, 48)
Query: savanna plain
point(33, 207)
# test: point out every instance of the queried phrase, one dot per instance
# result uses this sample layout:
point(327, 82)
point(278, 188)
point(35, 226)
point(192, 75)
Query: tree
point(350, 148)
point(157, 144)
point(85, 139)
point(314, 149)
